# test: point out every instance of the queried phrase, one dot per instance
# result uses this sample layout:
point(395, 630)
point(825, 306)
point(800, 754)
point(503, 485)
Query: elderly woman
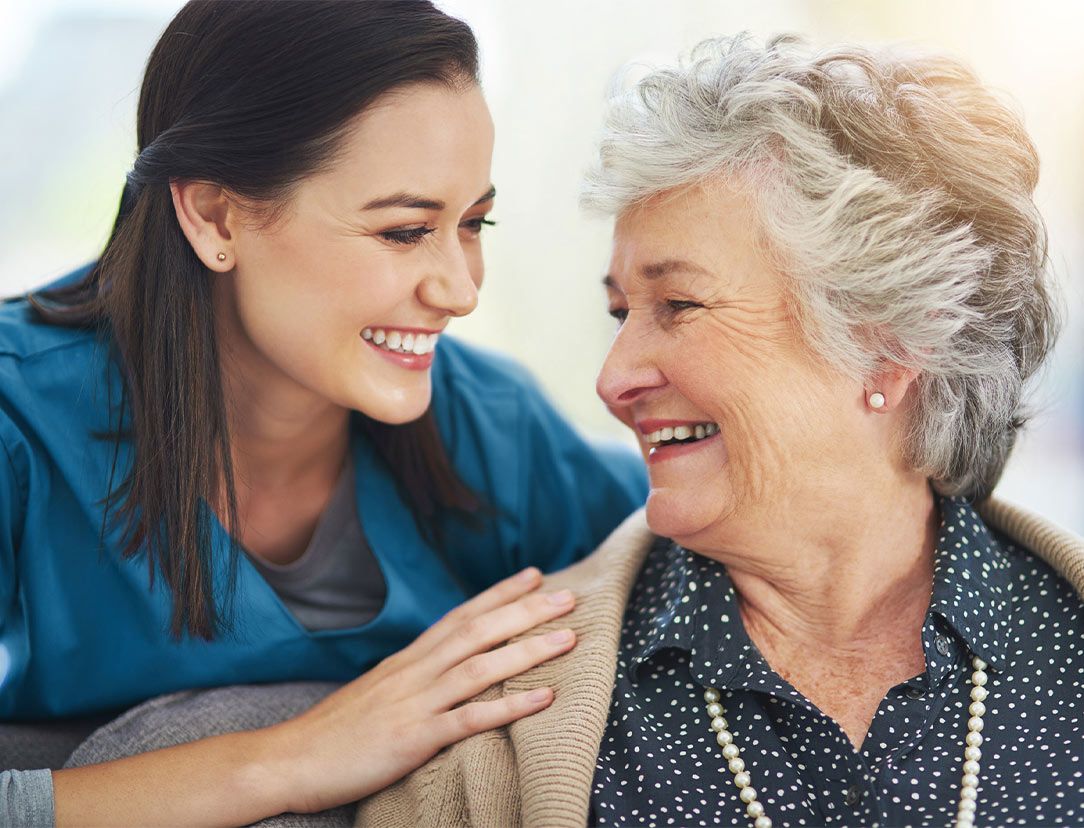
point(830, 282)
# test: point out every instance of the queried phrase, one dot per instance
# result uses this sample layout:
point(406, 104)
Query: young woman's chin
point(394, 404)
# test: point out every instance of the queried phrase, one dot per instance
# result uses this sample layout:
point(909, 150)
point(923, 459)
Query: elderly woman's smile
point(673, 438)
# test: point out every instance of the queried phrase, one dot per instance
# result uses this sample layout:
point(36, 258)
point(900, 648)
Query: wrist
point(266, 773)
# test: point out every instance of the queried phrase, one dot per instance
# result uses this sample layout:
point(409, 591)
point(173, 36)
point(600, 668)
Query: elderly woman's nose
point(628, 374)
point(452, 284)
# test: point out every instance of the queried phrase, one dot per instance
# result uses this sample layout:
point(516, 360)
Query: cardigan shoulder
point(1062, 549)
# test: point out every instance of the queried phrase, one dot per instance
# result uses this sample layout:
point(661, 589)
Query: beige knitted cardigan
point(538, 771)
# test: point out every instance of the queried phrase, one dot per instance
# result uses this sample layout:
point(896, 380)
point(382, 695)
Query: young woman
point(239, 449)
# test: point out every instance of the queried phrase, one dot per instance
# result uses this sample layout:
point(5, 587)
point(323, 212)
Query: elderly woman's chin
point(686, 513)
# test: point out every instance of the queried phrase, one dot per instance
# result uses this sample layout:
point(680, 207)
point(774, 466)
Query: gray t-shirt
point(335, 584)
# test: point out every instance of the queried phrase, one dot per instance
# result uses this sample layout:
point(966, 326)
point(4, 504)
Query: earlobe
point(202, 210)
point(889, 388)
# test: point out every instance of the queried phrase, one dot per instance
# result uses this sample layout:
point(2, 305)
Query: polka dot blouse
point(659, 763)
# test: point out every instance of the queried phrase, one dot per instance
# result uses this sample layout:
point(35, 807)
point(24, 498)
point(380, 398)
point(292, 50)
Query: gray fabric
point(26, 799)
point(336, 583)
point(194, 714)
point(47, 744)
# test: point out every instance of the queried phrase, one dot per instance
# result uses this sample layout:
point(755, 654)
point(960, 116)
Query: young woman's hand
point(376, 729)
point(364, 736)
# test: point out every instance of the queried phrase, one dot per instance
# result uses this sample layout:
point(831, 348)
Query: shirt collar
point(972, 581)
point(687, 601)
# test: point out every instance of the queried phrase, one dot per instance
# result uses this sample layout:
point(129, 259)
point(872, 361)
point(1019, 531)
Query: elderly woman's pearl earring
point(221, 257)
point(876, 400)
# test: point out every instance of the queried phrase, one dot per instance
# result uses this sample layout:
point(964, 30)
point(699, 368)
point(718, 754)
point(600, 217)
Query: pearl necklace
point(969, 785)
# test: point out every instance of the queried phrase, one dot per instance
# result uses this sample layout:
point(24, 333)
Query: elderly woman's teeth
point(401, 343)
point(682, 434)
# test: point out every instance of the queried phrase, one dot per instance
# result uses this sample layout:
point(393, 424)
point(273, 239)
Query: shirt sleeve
point(573, 491)
point(12, 517)
point(26, 799)
point(11, 510)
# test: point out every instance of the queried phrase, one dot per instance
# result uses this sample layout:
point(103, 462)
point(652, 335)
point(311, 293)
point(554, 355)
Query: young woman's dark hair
point(254, 96)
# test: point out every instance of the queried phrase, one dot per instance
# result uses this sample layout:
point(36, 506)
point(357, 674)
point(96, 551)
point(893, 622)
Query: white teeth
point(406, 343)
point(665, 435)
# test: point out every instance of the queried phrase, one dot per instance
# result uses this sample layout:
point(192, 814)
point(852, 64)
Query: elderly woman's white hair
point(895, 193)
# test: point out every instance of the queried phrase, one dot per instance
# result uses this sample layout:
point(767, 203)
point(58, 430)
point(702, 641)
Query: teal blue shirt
point(81, 629)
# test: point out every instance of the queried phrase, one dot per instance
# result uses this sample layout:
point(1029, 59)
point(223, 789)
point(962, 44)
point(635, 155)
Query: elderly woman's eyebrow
point(419, 202)
point(653, 271)
point(657, 270)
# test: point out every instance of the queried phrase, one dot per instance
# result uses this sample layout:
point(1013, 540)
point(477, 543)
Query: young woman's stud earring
point(222, 257)
point(876, 400)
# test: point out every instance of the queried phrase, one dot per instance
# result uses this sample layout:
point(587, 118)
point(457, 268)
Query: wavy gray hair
point(895, 193)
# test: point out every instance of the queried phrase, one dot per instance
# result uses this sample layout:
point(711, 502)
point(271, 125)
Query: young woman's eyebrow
point(418, 202)
point(488, 195)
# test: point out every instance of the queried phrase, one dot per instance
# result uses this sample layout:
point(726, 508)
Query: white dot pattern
point(659, 763)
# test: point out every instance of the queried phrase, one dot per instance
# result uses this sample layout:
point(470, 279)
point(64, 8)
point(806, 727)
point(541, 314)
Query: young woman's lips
point(660, 454)
point(387, 342)
point(412, 362)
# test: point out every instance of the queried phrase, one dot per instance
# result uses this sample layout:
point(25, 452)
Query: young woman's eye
point(411, 235)
point(474, 226)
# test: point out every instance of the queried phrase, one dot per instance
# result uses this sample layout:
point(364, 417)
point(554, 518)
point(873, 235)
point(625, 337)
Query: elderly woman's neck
point(843, 579)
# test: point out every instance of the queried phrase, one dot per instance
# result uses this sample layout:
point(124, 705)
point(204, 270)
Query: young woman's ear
point(202, 211)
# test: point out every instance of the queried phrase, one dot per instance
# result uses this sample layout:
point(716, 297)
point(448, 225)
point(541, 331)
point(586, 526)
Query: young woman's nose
point(629, 372)
point(452, 283)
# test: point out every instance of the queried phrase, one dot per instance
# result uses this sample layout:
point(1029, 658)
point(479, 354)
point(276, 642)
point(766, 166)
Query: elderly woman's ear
point(886, 390)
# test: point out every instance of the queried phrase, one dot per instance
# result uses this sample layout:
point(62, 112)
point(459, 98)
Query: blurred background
point(69, 80)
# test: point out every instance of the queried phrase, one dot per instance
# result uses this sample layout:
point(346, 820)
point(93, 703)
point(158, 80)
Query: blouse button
point(915, 693)
point(944, 646)
point(854, 795)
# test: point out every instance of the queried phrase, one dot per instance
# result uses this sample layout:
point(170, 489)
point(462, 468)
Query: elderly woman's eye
point(619, 314)
point(677, 305)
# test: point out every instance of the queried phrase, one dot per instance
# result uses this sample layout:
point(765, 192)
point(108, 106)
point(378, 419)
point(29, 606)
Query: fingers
point(485, 669)
point(477, 717)
point(501, 593)
point(486, 631)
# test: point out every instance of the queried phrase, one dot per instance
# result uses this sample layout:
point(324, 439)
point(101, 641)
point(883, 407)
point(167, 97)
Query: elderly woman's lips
point(677, 432)
point(676, 442)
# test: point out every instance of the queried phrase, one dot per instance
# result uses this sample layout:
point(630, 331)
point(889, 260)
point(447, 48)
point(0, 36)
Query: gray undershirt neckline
point(336, 583)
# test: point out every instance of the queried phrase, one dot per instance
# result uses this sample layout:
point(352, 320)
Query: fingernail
point(527, 575)
point(562, 597)
point(559, 637)
point(538, 696)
